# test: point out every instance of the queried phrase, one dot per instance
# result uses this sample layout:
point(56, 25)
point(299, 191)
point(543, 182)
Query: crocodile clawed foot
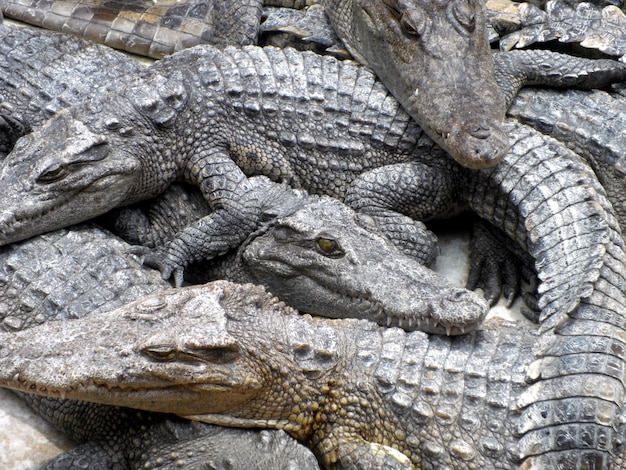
point(158, 260)
point(494, 267)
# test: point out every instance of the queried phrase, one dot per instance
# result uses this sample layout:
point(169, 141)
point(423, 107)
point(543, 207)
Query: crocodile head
point(65, 172)
point(328, 260)
point(209, 349)
point(434, 57)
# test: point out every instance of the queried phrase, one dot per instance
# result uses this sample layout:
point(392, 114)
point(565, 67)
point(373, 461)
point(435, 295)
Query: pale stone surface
point(26, 440)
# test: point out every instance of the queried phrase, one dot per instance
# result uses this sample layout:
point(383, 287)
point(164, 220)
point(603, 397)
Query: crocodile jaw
point(443, 74)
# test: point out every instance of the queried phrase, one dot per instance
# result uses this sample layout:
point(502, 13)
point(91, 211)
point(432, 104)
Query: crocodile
point(35, 289)
point(321, 257)
point(358, 395)
point(417, 47)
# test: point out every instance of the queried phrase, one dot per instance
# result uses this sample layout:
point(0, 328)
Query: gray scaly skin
point(316, 253)
point(44, 73)
point(589, 122)
point(65, 275)
point(144, 27)
point(358, 395)
point(389, 131)
point(517, 204)
point(586, 24)
point(417, 47)
point(535, 398)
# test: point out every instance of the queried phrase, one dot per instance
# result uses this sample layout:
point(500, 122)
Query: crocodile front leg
point(344, 450)
point(398, 195)
point(237, 204)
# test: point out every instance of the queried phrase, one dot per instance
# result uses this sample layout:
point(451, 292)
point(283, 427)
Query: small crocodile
point(360, 396)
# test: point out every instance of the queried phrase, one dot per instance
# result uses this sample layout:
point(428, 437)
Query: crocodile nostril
point(480, 131)
point(459, 295)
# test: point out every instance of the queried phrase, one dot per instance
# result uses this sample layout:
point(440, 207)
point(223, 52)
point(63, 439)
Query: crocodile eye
point(412, 23)
point(52, 173)
point(464, 14)
point(160, 353)
point(219, 355)
point(329, 247)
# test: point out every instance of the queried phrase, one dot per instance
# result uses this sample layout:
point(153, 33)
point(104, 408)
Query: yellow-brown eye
point(329, 247)
point(160, 353)
point(51, 174)
point(326, 244)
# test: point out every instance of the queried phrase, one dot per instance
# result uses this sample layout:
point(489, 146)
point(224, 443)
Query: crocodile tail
point(550, 202)
point(557, 210)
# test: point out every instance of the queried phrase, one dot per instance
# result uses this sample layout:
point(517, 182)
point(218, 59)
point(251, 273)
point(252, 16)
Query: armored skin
point(65, 275)
point(434, 57)
point(569, 230)
point(357, 394)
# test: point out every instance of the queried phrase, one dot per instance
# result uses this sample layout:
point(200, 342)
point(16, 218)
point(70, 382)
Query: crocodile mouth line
point(10, 226)
point(376, 308)
point(34, 387)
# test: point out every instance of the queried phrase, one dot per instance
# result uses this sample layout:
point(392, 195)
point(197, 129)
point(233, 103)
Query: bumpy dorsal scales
point(586, 24)
point(44, 72)
point(163, 100)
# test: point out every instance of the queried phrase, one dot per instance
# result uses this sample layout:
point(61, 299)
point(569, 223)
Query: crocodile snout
point(478, 145)
point(459, 311)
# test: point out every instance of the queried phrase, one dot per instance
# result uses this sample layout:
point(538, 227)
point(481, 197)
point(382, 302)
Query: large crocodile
point(433, 56)
point(65, 275)
point(360, 396)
